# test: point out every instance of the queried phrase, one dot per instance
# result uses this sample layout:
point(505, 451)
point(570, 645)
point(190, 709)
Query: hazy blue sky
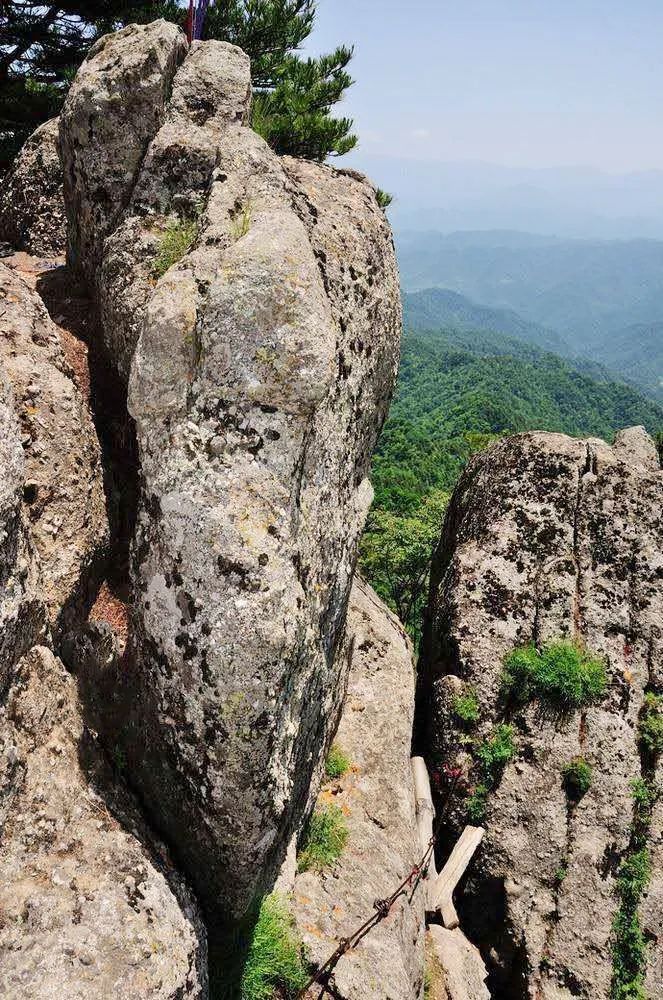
point(513, 82)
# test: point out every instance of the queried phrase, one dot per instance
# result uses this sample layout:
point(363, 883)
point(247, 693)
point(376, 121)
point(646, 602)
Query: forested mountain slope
point(604, 298)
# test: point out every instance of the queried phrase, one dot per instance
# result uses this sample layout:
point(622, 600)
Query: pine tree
point(293, 96)
point(42, 45)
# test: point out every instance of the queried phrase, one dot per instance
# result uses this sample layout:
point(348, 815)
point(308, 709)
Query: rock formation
point(63, 494)
point(87, 907)
point(549, 537)
point(262, 357)
point(376, 797)
point(31, 201)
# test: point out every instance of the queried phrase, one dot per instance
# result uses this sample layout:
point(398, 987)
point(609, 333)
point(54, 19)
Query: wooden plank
point(425, 811)
point(441, 892)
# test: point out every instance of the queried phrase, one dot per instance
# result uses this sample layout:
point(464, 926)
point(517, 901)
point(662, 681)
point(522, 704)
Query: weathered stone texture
point(264, 365)
point(113, 108)
point(550, 537)
point(87, 909)
point(377, 798)
point(62, 489)
point(31, 201)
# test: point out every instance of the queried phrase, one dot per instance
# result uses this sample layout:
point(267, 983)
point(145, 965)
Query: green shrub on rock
point(465, 707)
point(650, 726)
point(577, 778)
point(562, 676)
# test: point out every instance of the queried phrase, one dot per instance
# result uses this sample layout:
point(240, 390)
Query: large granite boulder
point(89, 906)
point(255, 303)
point(548, 537)
point(22, 613)
point(31, 201)
point(376, 796)
point(62, 491)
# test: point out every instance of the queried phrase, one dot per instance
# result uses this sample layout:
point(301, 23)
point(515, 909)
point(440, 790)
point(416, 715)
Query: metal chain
point(382, 907)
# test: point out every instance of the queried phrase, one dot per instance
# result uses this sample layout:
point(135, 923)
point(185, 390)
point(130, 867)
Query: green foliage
point(562, 676)
point(577, 778)
point(337, 762)
point(294, 116)
point(477, 804)
point(41, 48)
point(395, 556)
point(495, 753)
point(324, 839)
point(175, 241)
point(645, 795)
point(465, 707)
point(629, 950)
point(293, 96)
point(561, 873)
point(384, 198)
point(275, 963)
point(650, 725)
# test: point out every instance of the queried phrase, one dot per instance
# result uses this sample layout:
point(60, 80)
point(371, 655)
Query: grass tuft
point(562, 676)
point(337, 763)
point(176, 239)
point(650, 725)
point(324, 839)
point(275, 964)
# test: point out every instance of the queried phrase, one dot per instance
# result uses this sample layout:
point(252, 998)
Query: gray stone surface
point(31, 201)
point(22, 612)
point(263, 372)
point(113, 109)
point(377, 798)
point(62, 489)
point(550, 537)
point(88, 909)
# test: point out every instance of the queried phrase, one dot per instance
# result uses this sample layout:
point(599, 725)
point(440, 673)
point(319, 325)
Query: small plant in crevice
point(337, 763)
point(491, 757)
point(477, 804)
point(577, 778)
point(561, 873)
point(325, 837)
point(241, 222)
point(629, 945)
point(275, 964)
point(465, 707)
point(561, 676)
point(629, 952)
point(176, 239)
point(650, 725)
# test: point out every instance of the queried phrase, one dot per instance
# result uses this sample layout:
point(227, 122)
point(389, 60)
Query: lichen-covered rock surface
point(254, 302)
point(549, 537)
point(87, 909)
point(62, 492)
point(377, 799)
point(31, 200)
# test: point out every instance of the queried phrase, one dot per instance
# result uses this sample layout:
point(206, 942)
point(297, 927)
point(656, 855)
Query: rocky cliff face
point(262, 362)
point(376, 797)
point(550, 538)
point(31, 200)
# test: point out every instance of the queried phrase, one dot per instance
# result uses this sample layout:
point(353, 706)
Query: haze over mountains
point(568, 202)
point(601, 301)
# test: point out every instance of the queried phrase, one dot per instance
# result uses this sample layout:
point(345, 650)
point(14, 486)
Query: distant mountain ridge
point(435, 308)
point(603, 298)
